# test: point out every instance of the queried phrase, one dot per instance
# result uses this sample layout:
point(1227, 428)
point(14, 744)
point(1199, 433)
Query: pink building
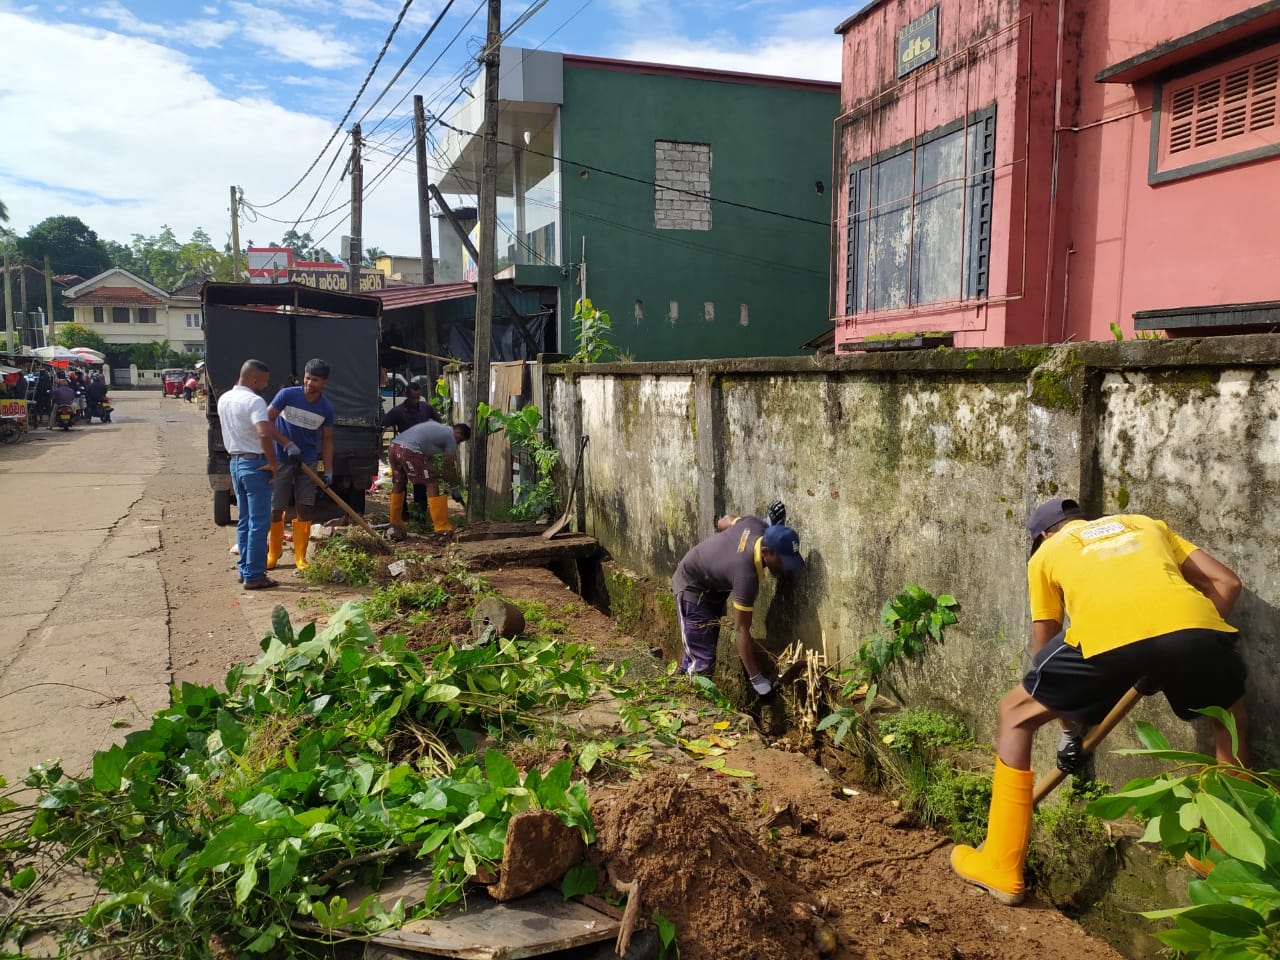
point(1029, 171)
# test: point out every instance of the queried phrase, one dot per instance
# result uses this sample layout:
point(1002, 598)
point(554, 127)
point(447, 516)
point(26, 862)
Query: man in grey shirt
point(729, 566)
point(426, 454)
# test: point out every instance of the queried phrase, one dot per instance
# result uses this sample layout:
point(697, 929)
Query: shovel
point(382, 544)
point(563, 522)
point(1095, 737)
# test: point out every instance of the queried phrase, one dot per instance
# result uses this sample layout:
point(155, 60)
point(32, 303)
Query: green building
point(692, 205)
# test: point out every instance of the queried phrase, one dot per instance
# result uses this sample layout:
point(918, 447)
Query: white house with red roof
point(125, 309)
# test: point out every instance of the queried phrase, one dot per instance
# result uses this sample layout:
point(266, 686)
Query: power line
point(404, 66)
point(648, 183)
point(359, 93)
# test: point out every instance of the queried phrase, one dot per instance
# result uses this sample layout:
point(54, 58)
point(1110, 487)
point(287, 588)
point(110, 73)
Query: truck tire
point(222, 508)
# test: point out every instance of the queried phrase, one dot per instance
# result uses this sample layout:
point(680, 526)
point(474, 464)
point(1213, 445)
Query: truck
point(284, 326)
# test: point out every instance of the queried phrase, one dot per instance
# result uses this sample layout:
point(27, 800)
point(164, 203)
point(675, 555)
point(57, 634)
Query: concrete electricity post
point(424, 192)
point(477, 474)
point(357, 199)
point(47, 330)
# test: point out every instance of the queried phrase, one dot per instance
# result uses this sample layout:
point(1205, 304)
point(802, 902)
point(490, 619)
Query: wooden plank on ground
point(540, 923)
point(525, 551)
point(498, 530)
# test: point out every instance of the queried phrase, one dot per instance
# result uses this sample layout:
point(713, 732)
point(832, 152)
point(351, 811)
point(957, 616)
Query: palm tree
point(4, 213)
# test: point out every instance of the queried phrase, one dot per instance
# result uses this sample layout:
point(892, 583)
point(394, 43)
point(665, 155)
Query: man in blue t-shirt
point(304, 415)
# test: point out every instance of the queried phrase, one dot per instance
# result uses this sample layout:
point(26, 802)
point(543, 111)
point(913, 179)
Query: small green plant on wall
point(594, 330)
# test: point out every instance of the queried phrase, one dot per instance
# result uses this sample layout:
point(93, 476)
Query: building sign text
point(336, 281)
point(918, 42)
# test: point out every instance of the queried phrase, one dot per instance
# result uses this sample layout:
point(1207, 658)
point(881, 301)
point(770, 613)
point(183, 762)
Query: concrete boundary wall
point(920, 468)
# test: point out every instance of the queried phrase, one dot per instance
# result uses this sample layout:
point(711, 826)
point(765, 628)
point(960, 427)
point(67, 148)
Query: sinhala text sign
point(334, 280)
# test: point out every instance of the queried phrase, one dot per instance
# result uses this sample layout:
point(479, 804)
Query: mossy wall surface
point(920, 468)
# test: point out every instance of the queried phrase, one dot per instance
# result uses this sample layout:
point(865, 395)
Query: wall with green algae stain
point(915, 468)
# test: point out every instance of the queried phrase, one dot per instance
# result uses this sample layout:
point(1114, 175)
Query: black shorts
point(1194, 668)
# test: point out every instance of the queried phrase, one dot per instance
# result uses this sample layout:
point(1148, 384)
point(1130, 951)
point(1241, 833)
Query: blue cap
point(784, 542)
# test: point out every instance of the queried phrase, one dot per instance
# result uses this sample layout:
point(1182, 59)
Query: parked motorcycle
point(64, 415)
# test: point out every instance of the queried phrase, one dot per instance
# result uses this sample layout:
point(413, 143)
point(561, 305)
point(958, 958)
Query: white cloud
point(291, 40)
point(813, 59)
point(149, 141)
point(196, 33)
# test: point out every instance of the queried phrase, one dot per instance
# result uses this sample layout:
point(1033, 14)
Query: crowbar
point(1095, 737)
point(382, 544)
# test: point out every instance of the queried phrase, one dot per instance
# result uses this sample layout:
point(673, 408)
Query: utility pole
point(235, 235)
point(22, 296)
point(357, 200)
point(424, 199)
point(48, 302)
point(478, 474)
point(8, 302)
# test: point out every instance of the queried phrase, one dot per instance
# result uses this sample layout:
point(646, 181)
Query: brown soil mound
point(702, 870)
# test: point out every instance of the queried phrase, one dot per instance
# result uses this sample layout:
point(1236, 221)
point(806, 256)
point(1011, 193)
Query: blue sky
point(136, 113)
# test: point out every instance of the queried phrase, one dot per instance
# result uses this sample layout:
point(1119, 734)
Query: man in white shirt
point(249, 438)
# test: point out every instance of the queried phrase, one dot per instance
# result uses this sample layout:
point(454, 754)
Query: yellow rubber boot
point(301, 537)
point(397, 509)
point(275, 543)
point(997, 866)
point(439, 509)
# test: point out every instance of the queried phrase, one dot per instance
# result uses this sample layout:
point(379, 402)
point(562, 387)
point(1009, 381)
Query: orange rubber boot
point(275, 543)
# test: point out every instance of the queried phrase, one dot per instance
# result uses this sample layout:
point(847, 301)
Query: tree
point(4, 213)
point(371, 256)
point(78, 335)
point(168, 264)
point(70, 245)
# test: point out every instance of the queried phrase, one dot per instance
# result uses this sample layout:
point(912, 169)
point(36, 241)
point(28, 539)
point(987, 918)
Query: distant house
point(692, 205)
point(125, 309)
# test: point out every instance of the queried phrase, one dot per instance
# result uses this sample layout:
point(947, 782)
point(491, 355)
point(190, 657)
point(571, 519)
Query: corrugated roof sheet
point(116, 297)
point(397, 298)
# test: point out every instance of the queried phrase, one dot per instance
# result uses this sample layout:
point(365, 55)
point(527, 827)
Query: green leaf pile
point(238, 813)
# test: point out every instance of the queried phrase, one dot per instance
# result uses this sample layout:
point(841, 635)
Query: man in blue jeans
point(249, 437)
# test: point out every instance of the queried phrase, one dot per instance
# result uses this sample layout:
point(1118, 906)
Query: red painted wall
point(1079, 237)
point(1206, 239)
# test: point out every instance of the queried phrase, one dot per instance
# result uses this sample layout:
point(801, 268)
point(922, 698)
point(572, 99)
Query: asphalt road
point(84, 633)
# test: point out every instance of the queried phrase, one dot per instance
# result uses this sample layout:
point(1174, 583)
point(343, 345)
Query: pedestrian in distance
point(250, 438)
point(409, 413)
point(189, 387)
point(304, 415)
point(426, 453)
point(1146, 608)
point(726, 568)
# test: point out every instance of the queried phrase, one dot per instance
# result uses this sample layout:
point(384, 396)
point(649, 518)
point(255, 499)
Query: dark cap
point(784, 543)
point(1051, 514)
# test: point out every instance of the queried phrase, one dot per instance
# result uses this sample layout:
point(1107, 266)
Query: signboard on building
point(336, 280)
point(918, 42)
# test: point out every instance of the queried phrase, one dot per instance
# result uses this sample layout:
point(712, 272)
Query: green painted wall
point(769, 147)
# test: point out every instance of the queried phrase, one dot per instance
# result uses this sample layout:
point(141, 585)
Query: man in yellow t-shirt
point(1145, 606)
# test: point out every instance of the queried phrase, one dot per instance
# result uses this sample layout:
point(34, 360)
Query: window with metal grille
point(119, 314)
point(98, 315)
point(920, 220)
point(1225, 114)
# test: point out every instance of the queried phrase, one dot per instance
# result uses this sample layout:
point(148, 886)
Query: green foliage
point(523, 429)
point(914, 620)
point(946, 797)
point(70, 245)
point(234, 814)
point(339, 560)
point(155, 355)
point(416, 600)
point(921, 730)
point(1235, 911)
point(78, 335)
point(667, 946)
point(169, 264)
point(441, 400)
point(579, 880)
point(594, 330)
point(1116, 331)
